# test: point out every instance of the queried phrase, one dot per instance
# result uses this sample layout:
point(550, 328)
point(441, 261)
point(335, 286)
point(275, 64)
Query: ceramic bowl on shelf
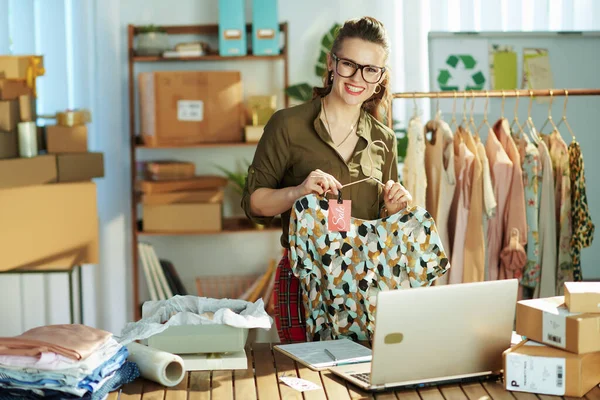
point(151, 43)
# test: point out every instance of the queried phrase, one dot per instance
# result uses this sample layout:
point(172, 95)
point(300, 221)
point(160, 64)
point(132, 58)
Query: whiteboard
point(574, 59)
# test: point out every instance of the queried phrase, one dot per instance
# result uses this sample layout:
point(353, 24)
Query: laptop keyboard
point(363, 376)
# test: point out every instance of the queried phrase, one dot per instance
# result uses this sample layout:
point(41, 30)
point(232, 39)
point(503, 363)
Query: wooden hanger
point(549, 119)
point(516, 117)
point(503, 100)
point(453, 120)
point(532, 131)
point(465, 121)
point(564, 115)
point(438, 112)
point(485, 113)
point(471, 119)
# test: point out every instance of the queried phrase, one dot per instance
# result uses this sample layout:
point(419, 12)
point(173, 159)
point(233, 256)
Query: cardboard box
point(582, 296)
point(167, 169)
point(196, 196)
point(48, 226)
point(186, 107)
point(265, 28)
point(27, 108)
point(535, 368)
point(29, 171)
point(252, 134)
point(77, 167)
point(66, 139)
point(201, 182)
point(9, 115)
point(9, 147)
point(549, 321)
point(232, 28)
point(183, 217)
point(15, 67)
point(12, 89)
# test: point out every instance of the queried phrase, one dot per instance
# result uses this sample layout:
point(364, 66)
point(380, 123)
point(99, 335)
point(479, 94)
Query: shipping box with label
point(187, 107)
point(535, 368)
point(549, 321)
point(582, 296)
point(49, 226)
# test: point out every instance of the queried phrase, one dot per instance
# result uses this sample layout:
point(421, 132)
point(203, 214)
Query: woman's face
point(355, 90)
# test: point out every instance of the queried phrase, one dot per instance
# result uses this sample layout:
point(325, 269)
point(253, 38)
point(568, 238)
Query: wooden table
point(262, 383)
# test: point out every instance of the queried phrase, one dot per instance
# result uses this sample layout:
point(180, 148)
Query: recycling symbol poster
point(459, 65)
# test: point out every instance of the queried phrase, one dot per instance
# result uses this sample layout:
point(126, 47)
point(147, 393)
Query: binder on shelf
point(232, 28)
point(265, 28)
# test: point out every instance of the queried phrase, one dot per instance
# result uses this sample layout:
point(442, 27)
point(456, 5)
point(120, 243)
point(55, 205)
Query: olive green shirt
point(295, 142)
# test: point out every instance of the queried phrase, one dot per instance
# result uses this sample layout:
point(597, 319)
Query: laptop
point(437, 335)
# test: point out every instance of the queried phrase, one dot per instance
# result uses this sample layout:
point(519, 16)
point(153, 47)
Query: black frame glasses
point(357, 66)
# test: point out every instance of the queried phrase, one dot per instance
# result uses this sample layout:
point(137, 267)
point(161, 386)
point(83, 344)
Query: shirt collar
point(363, 130)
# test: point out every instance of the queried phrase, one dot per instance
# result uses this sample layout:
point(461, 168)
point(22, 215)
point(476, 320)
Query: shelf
point(195, 145)
point(209, 57)
point(230, 225)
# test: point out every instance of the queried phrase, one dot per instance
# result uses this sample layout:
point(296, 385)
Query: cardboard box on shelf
point(535, 368)
point(195, 196)
point(16, 172)
point(77, 167)
point(200, 182)
point(9, 115)
point(183, 217)
point(549, 321)
point(252, 134)
point(17, 66)
point(49, 226)
point(168, 169)
point(12, 89)
point(66, 139)
point(9, 146)
point(186, 107)
point(27, 108)
point(582, 296)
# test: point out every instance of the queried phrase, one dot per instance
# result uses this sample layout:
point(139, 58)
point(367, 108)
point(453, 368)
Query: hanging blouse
point(583, 227)
point(473, 265)
point(501, 169)
point(512, 266)
point(547, 228)
point(441, 180)
point(489, 201)
point(532, 177)
point(414, 176)
point(342, 272)
point(459, 211)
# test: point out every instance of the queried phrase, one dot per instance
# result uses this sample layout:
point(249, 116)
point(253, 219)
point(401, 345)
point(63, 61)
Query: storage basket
point(224, 287)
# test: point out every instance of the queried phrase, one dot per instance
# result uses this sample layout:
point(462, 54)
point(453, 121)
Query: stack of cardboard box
point(561, 355)
point(176, 200)
point(47, 200)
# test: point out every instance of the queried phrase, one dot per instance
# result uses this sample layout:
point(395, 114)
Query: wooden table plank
point(132, 390)
point(199, 388)
point(453, 392)
point(497, 391)
point(593, 394)
point(178, 392)
point(357, 393)
point(545, 397)
point(243, 380)
point(524, 396)
point(314, 377)
point(113, 395)
point(430, 393)
point(385, 396)
point(475, 391)
point(153, 391)
point(222, 385)
point(266, 379)
point(407, 394)
point(285, 366)
point(335, 387)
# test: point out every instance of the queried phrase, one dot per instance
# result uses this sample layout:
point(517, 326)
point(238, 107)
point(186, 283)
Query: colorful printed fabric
point(342, 272)
point(532, 177)
point(582, 225)
point(288, 310)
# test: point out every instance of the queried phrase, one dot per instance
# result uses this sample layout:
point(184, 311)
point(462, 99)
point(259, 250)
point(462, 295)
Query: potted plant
point(238, 181)
point(151, 40)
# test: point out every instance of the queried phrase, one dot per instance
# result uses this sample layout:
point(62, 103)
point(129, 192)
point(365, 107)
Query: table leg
point(71, 305)
point(80, 290)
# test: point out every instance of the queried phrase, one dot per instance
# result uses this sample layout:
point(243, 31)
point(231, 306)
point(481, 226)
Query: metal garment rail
point(497, 93)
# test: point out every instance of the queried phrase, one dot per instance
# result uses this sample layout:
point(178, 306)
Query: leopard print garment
point(341, 272)
point(581, 220)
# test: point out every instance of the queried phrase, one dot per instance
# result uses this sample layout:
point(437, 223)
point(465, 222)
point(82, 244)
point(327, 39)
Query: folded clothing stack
point(63, 362)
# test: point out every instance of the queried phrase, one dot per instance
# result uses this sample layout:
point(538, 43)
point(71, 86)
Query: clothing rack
point(498, 93)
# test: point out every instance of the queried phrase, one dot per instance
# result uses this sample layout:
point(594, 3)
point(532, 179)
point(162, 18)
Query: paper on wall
point(503, 67)
point(157, 316)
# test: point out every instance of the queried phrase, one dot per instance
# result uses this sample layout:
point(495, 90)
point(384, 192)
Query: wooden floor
point(262, 383)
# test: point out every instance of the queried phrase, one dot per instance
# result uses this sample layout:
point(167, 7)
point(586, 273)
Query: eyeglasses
point(346, 69)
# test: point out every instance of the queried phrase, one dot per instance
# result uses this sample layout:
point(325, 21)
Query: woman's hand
point(318, 182)
point(396, 197)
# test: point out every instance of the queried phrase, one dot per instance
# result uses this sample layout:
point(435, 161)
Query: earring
point(331, 77)
point(377, 91)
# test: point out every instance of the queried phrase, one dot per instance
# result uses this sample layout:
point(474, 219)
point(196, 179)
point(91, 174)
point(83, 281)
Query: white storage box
point(191, 339)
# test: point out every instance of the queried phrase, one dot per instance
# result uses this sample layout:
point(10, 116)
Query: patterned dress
point(342, 272)
point(582, 225)
point(532, 176)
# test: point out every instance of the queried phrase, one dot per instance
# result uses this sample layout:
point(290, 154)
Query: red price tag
point(339, 215)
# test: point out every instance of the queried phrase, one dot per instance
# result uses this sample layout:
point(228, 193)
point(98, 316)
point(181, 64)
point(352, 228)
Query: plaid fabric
point(287, 298)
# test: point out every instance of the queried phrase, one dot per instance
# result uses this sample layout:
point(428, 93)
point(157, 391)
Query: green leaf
point(301, 91)
point(326, 44)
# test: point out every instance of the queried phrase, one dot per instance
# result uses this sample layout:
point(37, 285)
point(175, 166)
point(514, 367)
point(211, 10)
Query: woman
point(320, 145)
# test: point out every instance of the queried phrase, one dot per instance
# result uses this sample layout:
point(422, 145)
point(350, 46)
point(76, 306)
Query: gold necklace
point(337, 146)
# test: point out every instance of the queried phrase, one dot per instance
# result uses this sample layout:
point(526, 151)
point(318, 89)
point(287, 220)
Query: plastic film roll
point(155, 365)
